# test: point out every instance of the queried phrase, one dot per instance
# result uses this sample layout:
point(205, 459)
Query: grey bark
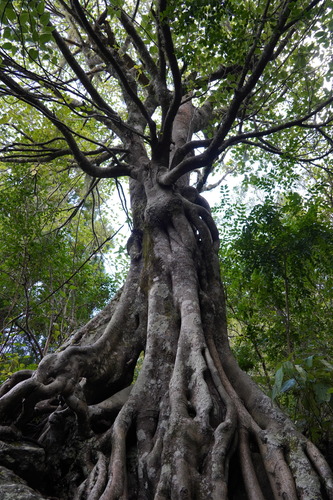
point(191, 416)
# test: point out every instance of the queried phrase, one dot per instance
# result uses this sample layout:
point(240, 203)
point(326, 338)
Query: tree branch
point(87, 166)
point(208, 156)
point(297, 122)
point(219, 144)
point(108, 57)
point(139, 45)
point(251, 52)
point(21, 153)
point(80, 73)
point(168, 46)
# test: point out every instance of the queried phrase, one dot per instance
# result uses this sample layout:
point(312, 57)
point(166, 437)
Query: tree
point(160, 93)
point(284, 252)
point(52, 276)
point(278, 283)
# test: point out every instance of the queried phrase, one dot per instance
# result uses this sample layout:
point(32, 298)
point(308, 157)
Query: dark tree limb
point(107, 55)
point(87, 166)
point(168, 47)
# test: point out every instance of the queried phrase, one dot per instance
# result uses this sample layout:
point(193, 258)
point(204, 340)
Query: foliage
point(278, 275)
point(305, 388)
point(52, 272)
point(25, 26)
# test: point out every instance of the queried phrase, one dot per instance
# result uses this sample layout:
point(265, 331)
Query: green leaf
point(309, 361)
point(8, 34)
point(303, 374)
point(33, 54)
point(279, 377)
point(45, 38)
point(45, 18)
point(153, 50)
point(24, 18)
point(7, 46)
point(322, 393)
point(35, 36)
point(40, 6)
point(10, 12)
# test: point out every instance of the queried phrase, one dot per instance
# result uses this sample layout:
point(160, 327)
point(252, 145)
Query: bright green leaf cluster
point(25, 27)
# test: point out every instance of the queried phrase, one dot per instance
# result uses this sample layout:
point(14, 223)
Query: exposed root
point(116, 487)
point(321, 466)
point(251, 482)
point(14, 379)
point(94, 485)
point(191, 415)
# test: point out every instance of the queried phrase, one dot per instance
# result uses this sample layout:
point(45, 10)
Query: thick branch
point(209, 155)
point(169, 49)
point(108, 57)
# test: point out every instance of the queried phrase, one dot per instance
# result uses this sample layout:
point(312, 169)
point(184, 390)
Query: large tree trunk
point(192, 425)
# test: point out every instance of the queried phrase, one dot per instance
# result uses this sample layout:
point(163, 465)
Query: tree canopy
point(263, 84)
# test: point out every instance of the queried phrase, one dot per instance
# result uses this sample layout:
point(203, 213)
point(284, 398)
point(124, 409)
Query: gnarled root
point(192, 420)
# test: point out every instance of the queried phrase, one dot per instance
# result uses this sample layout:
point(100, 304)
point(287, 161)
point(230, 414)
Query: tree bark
point(192, 425)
